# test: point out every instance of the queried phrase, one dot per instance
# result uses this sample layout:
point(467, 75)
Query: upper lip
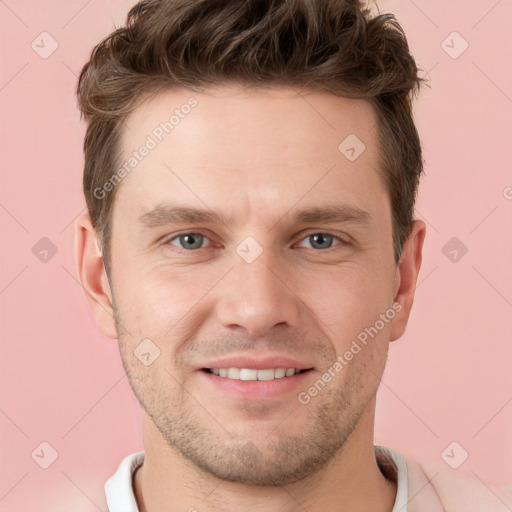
point(257, 363)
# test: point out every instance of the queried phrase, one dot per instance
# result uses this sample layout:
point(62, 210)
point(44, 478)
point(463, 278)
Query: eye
point(189, 240)
point(322, 240)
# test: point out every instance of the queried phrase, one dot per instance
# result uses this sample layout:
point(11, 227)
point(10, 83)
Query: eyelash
point(336, 237)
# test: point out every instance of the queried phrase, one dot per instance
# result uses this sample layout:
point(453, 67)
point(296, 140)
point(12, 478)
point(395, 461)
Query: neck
point(166, 482)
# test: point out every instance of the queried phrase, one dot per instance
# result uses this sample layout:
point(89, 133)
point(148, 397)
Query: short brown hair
point(337, 46)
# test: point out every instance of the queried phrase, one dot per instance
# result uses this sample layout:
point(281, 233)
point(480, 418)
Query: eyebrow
point(163, 215)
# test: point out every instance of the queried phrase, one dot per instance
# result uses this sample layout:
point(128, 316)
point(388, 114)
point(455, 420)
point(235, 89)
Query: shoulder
point(455, 491)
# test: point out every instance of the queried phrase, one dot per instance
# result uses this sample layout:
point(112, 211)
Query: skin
point(255, 157)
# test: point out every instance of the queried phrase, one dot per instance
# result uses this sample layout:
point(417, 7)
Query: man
point(250, 175)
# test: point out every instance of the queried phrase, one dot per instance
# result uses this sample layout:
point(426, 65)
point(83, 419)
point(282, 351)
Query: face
point(245, 242)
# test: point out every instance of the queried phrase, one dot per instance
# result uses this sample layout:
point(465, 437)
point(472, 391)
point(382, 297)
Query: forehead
point(279, 117)
point(257, 147)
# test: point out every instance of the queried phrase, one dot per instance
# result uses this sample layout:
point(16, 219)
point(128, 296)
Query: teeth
point(266, 374)
point(251, 374)
point(234, 373)
point(248, 374)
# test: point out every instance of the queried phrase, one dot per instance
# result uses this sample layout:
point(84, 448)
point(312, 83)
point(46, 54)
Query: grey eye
point(189, 240)
point(320, 240)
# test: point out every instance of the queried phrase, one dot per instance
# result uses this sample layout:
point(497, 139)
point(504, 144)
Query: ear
point(92, 274)
point(406, 277)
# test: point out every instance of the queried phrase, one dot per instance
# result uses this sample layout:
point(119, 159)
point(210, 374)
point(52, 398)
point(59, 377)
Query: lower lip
point(257, 389)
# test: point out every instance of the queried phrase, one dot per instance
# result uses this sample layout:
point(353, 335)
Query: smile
point(253, 374)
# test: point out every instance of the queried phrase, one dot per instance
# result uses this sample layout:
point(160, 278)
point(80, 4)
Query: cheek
point(350, 299)
point(164, 304)
point(145, 294)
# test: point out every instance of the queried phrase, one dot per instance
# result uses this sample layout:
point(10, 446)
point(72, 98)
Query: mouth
point(247, 374)
point(255, 376)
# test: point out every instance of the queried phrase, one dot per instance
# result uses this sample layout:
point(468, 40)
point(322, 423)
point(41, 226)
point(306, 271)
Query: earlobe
point(92, 274)
point(407, 276)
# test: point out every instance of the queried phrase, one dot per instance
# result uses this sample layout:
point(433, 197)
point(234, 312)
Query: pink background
point(448, 379)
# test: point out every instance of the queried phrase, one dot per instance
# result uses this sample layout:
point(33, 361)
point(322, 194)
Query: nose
point(257, 296)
